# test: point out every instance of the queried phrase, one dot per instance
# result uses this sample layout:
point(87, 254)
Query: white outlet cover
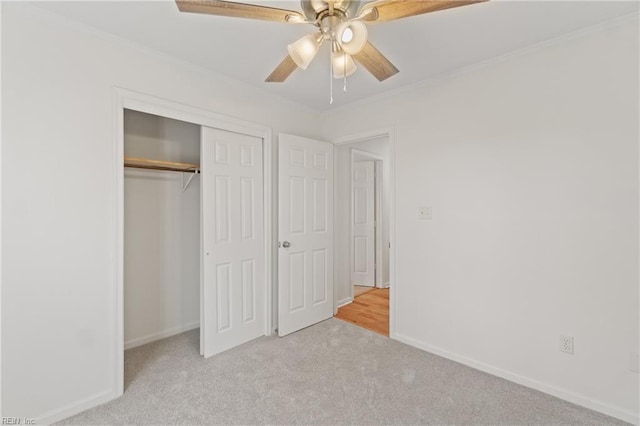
point(566, 344)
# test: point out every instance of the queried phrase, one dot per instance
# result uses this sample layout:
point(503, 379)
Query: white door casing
point(305, 255)
point(233, 256)
point(363, 251)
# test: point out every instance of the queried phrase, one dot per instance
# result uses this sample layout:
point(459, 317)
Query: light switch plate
point(425, 213)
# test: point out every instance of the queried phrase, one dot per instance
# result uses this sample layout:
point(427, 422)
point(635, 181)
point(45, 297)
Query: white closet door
point(233, 261)
point(305, 256)
point(363, 250)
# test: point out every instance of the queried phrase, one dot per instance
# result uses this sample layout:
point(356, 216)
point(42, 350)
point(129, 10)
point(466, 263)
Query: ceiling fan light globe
point(343, 65)
point(347, 35)
point(304, 50)
point(352, 36)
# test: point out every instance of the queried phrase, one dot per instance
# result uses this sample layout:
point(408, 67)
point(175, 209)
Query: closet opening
point(162, 232)
point(194, 247)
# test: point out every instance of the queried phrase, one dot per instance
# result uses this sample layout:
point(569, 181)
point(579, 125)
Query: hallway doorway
point(363, 204)
point(369, 310)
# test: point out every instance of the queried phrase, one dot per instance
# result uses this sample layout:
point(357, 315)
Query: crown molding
point(458, 72)
point(127, 43)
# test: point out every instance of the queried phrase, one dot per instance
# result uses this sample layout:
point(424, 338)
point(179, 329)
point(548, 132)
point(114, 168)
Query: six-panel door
point(305, 255)
point(363, 224)
point(233, 260)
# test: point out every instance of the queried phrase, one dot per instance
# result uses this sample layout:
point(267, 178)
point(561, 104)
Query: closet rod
point(145, 163)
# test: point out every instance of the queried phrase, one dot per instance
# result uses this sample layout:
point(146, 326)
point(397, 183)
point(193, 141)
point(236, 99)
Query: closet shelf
point(145, 163)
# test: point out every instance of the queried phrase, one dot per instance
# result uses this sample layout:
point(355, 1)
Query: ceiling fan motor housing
point(312, 9)
point(329, 23)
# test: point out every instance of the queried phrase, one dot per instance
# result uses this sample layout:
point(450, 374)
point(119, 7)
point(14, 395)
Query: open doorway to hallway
point(369, 310)
point(363, 202)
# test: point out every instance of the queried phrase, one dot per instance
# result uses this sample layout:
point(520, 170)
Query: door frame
point(389, 133)
point(128, 99)
point(379, 200)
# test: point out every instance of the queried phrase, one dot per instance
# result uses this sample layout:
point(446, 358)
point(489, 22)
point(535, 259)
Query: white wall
point(380, 147)
point(0, 206)
point(59, 197)
point(161, 231)
point(530, 163)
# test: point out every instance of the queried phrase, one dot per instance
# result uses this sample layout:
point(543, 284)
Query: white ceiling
point(422, 47)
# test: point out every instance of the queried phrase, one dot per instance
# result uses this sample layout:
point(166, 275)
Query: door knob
point(286, 244)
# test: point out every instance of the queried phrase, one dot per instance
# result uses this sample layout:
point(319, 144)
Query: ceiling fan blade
point(239, 10)
point(282, 71)
point(388, 10)
point(375, 62)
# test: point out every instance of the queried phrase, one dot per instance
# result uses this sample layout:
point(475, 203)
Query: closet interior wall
point(161, 231)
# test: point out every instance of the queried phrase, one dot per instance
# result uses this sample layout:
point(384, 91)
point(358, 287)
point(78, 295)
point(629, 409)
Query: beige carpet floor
point(331, 373)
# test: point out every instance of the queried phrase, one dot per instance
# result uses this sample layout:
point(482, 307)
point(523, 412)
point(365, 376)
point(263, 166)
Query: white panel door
point(305, 256)
point(233, 261)
point(363, 251)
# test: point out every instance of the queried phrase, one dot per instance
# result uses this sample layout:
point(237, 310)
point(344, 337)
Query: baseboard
point(344, 302)
point(103, 397)
point(76, 407)
point(160, 335)
point(578, 399)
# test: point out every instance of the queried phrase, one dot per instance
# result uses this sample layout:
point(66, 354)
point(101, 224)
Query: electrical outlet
point(425, 213)
point(566, 344)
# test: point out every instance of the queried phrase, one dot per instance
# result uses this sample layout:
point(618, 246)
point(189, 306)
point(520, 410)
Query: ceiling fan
point(339, 22)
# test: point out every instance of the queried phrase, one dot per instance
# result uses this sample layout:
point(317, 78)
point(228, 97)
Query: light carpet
point(330, 373)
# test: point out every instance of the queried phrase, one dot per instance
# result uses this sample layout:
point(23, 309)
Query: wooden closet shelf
point(145, 163)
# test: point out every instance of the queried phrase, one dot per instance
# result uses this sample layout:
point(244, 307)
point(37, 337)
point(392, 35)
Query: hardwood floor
point(359, 290)
point(369, 310)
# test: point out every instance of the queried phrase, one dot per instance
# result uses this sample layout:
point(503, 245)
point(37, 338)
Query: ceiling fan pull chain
point(330, 82)
point(344, 88)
